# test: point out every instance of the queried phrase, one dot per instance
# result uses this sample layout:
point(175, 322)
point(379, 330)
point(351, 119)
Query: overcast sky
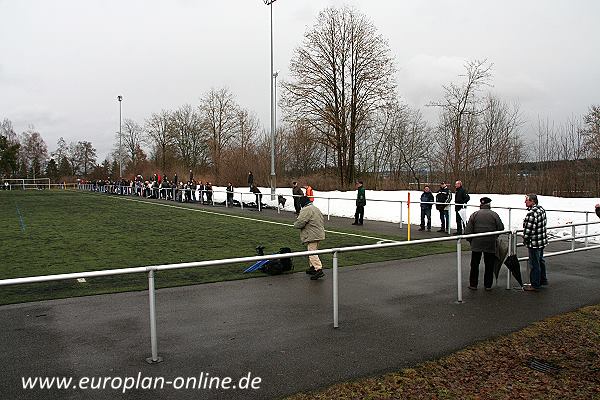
point(63, 62)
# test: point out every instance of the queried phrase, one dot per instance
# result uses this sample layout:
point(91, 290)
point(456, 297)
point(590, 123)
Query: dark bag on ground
point(279, 266)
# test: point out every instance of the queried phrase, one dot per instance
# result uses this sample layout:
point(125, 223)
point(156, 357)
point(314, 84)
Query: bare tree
point(591, 133)
point(133, 138)
point(460, 109)
point(86, 156)
point(61, 149)
point(6, 130)
point(248, 127)
point(412, 143)
point(301, 152)
point(591, 130)
point(34, 152)
point(500, 147)
point(159, 135)
point(187, 131)
point(220, 115)
point(342, 72)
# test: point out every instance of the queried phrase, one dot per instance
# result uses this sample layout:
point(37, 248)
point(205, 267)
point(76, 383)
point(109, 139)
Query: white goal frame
point(27, 183)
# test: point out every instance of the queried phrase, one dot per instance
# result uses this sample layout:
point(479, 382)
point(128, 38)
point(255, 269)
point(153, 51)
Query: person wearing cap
point(361, 202)
point(483, 220)
point(312, 231)
point(443, 198)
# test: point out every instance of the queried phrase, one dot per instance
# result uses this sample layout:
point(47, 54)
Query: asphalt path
point(275, 332)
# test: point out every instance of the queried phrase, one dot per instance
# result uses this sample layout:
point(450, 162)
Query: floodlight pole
point(120, 98)
point(273, 185)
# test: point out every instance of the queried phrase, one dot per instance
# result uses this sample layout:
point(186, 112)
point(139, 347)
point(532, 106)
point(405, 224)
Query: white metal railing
point(402, 204)
point(151, 270)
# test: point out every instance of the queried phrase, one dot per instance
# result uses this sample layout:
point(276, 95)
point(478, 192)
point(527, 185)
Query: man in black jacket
point(229, 194)
point(484, 220)
point(250, 180)
point(443, 199)
point(297, 192)
point(461, 197)
point(426, 205)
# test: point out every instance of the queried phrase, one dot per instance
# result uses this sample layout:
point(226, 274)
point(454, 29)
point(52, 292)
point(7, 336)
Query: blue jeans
point(445, 217)
point(536, 262)
point(426, 212)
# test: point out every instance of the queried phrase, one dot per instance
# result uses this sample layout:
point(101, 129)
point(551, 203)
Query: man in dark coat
point(258, 195)
point(250, 180)
point(361, 202)
point(426, 205)
point(484, 220)
point(443, 198)
point(229, 190)
point(297, 192)
point(461, 197)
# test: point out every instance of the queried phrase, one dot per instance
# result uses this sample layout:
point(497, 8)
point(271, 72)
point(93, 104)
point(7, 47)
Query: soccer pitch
point(53, 232)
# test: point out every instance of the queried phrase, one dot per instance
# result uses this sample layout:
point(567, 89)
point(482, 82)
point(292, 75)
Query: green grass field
point(52, 232)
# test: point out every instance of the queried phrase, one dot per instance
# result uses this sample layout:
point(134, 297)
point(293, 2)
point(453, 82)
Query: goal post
point(25, 183)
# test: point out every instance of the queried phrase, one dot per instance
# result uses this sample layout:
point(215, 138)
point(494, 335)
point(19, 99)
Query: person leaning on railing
point(483, 220)
point(535, 238)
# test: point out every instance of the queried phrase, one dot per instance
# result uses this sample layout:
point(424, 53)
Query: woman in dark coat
point(484, 220)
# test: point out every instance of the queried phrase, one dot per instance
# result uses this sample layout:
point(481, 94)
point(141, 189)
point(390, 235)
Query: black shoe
point(421, 229)
point(544, 283)
point(428, 229)
point(355, 223)
point(311, 270)
point(360, 223)
point(318, 274)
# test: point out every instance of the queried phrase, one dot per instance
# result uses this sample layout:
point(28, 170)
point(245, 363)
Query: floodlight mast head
point(269, 2)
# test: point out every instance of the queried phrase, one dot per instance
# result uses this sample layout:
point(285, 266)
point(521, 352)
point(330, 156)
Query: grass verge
point(498, 368)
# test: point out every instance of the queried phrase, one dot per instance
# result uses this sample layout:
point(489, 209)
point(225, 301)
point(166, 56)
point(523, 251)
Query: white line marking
point(234, 216)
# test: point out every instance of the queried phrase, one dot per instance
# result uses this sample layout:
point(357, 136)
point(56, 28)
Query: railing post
point(449, 218)
point(587, 219)
point(153, 341)
point(335, 290)
point(459, 268)
point(510, 252)
point(328, 213)
point(400, 214)
point(573, 237)
point(242, 200)
point(509, 218)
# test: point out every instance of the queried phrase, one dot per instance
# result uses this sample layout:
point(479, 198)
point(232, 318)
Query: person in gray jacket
point(484, 220)
point(312, 231)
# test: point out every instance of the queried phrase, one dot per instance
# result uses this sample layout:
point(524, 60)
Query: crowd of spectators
point(160, 187)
